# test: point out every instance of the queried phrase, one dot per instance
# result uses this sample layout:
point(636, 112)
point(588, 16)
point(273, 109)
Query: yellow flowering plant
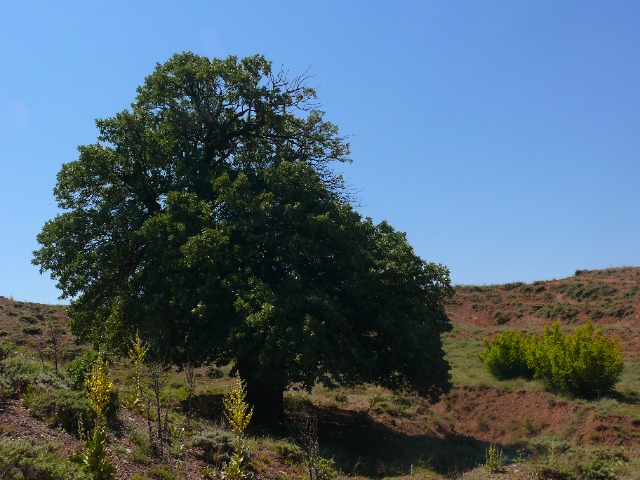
point(237, 411)
point(98, 390)
point(99, 386)
point(137, 354)
point(238, 415)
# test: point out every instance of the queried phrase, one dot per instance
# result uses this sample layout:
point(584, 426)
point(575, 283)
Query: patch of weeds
point(495, 459)
point(19, 371)
point(531, 427)
point(214, 372)
point(375, 399)
point(61, 409)
point(501, 318)
point(596, 469)
point(140, 453)
point(216, 446)
point(482, 424)
point(28, 319)
point(341, 397)
point(32, 330)
point(290, 454)
point(22, 459)
point(162, 472)
point(562, 311)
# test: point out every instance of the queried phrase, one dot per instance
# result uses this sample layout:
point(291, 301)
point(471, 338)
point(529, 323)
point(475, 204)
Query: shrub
point(32, 330)
point(217, 445)
point(6, 390)
point(584, 363)
point(28, 319)
point(7, 349)
point(501, 318)
point(79, 369)
point(62, 409)
point(506, 355)
point(19, 371)
point(22, 460)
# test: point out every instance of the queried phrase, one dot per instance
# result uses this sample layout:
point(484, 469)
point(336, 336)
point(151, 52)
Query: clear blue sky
point(502, 136)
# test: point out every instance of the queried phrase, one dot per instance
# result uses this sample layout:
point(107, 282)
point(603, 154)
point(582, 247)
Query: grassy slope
point(372, 433)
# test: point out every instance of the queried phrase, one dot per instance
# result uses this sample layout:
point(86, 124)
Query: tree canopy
point(209, 218)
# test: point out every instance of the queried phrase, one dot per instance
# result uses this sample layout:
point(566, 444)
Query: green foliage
point(95, 460)
point(501, 318)
point(591, 291)
point(217, 446)
point(61, 408)
point(79, 369)
point(584, 363)
point(20, 371)
point(28, 319)
point(506, 355)
point(32, 330)
point(210, 212)
point(562, 311)
point(23, 460)
point(162, 472)
point(494, 459)
point(596, 469)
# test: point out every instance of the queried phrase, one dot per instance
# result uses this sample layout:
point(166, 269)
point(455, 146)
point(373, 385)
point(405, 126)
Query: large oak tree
point(208, 217)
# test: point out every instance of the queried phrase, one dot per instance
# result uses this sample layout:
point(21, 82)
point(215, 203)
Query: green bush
point(217, 446)
point(20, 371)
point(61, 408)
point(506, 355)
point(6, 390)
point(78, 369)
point(23, 460)
point(584, 363)
point(32, 330)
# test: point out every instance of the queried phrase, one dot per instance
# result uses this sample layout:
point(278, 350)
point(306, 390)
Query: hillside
point(609, 296)
point(364, 432)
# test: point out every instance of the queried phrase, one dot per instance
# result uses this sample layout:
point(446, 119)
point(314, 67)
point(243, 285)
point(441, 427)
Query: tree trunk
point(267, 399)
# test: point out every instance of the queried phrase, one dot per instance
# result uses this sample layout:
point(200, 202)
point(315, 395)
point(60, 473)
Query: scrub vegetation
point(514, 426)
